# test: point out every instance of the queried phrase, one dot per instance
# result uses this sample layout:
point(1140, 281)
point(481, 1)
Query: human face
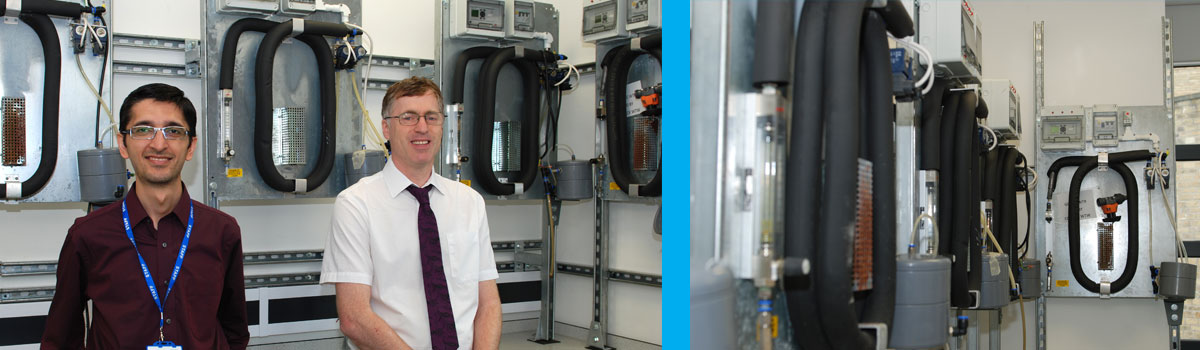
point(157, 161)
point(414, 147)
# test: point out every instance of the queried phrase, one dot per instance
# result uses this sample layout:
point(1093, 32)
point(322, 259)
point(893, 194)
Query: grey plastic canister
point(994, 284)
point(102, 175)
point(363, 163)
point(922, 303)
point(574, 180)
point(1177, 281)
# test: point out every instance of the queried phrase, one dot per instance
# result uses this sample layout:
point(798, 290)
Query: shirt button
point(168, 321)
point(164, 244)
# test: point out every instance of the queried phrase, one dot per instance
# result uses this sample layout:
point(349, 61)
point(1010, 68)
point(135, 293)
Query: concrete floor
point(518, 341)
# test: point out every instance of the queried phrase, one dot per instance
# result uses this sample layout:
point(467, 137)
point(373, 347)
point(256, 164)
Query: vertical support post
point(1168, 69)
point(973, 333)
point(1041, 323)
point(598, 332)
point(545, 330)
point(1039, 64)
point(994, 330)
point(1174, 320)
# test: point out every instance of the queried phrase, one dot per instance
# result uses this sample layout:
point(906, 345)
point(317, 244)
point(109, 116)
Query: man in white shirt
point(409, 251)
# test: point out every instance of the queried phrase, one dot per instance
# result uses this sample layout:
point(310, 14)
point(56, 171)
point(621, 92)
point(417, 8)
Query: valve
point(1109, 206)
point(651, 99)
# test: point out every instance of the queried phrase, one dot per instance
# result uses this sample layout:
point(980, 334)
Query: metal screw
point(1174, 317)
point(1174, 307)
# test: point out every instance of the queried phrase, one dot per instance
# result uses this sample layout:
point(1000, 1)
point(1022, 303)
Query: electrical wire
point(995, 140)
point(369, 43)
point(92, 88)
point(560, 146)
point(1012, 279)
point(927, 78)
point(1157, 168)
point(570, 68)
point(375, 135)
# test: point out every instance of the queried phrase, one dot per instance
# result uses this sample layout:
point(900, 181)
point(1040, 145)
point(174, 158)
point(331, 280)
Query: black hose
point(1131, 192)
point(616, 77)
point(229, 46)
point(931, 122)
point(53, 8)
point(772, 38)
point(833, 283)
point(48, 36)
point(1118, 157)
point(653, 44)
point(946, 199)
point(881, 304)
point(965, 208)
point(458, 90)
point(803, 170)
point(1006, 206)
point(264, 86)
point(489, 75)
point(899, 23)
point(990, 174)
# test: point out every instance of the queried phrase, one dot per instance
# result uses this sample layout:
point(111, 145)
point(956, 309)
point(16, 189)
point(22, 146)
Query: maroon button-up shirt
point(205, 310)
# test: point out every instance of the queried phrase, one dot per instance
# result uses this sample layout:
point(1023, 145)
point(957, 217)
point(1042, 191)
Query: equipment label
point(1062, 283)
point(466, 182)
point(613, 186)
point(233, 172)
point(633, 104)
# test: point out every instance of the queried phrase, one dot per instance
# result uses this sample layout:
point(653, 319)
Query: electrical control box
point(603, 20)
point(643, 15)
point(951, 32)
point(297, 7)
point(1063, 127)
point(520, 19)
point(1004, 108)
point(478, 19)
point(248, 6)
point(1106, 126)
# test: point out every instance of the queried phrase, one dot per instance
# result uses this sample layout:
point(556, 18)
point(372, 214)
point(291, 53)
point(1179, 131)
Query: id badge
point(164, 345)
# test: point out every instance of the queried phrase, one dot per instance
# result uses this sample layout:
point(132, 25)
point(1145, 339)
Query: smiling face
point(157, 161)
point(414, 147)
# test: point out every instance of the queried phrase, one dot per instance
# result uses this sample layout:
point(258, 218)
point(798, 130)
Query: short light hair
point(414, 86)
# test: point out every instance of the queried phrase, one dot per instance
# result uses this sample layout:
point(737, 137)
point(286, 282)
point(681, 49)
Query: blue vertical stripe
point(676, 159)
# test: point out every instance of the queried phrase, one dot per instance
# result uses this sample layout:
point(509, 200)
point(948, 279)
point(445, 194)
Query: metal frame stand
point(545, 330)
point(598, 332)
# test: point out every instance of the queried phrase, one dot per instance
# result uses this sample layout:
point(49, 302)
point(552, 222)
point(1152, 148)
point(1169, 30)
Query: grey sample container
point(922, 303)
point(363, 163)
point(1031, 278)
point(574, 180)
point(994, 285)
point(102, 175)
point(1177, 281)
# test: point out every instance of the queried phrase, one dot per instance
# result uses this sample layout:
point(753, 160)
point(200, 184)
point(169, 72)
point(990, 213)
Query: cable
point(995, 140)
point(375, 134)
point(1012, 279)
point(1167, 205)
point(92, 88)
point(569, 150)
point(370, 55)
point(927, 78)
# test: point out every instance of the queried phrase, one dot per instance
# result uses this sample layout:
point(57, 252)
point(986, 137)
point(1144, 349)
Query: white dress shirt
point(374, 242)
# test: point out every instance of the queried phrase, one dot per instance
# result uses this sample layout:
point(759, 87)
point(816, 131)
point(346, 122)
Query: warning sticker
point(633, 105)
point(613, 186)
point(233, 172)
point(465, 182)
point(1062, 283)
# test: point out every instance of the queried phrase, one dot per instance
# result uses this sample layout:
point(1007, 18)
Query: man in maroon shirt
point(204, 305)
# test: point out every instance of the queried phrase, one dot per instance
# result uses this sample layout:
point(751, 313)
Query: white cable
point(570, 68)
point(1166, 205)
point(927, 78)
point(369, 43)
point(995, 139)
point(569, 150)
point(92, 88)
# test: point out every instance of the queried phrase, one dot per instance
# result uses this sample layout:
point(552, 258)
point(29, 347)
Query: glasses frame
point(440, 120)
point(158, 130)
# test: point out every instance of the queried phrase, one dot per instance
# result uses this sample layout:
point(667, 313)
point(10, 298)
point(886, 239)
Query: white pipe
point(320, 5)
point(546, 38)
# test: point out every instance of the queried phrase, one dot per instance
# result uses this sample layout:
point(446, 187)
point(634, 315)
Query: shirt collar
point(137, 212)
point(397, 182)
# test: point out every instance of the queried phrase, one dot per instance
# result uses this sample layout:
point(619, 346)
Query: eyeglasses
point(143, 132)
point(410, 118)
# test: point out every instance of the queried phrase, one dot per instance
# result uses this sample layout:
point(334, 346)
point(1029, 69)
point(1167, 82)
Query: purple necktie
point(437, 296)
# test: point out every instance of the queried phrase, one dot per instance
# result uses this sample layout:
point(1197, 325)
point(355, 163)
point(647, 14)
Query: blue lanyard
point(187, 235)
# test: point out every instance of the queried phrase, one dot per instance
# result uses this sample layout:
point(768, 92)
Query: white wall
point(400, 28)
point(1096, 53)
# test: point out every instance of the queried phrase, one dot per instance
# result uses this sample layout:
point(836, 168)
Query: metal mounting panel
point(1146, 119)
point(297, 86)
point(645, 72)
point(22, 69)
point(508, 100)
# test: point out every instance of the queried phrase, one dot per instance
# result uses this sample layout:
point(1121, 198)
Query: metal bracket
point(1105, 290)
point(1168, 69)
point(1102, 161)
point(160, 69)
point(1174, 320)
point(191, 59)
point(291, 256)
point(26, 295)
point(192, 50)
point(295, 279)
point(24, 268)
point(879, 331)
point(12, 187)
point(1041, 323)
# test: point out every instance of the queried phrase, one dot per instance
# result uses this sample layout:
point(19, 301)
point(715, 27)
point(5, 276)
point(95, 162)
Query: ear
point(191, 148)
point(121, 146)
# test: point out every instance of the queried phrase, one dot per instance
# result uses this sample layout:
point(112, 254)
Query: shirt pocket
point(464, 258)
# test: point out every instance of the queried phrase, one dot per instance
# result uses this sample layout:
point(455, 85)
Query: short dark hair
point(162, 93)
point(413, 86)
